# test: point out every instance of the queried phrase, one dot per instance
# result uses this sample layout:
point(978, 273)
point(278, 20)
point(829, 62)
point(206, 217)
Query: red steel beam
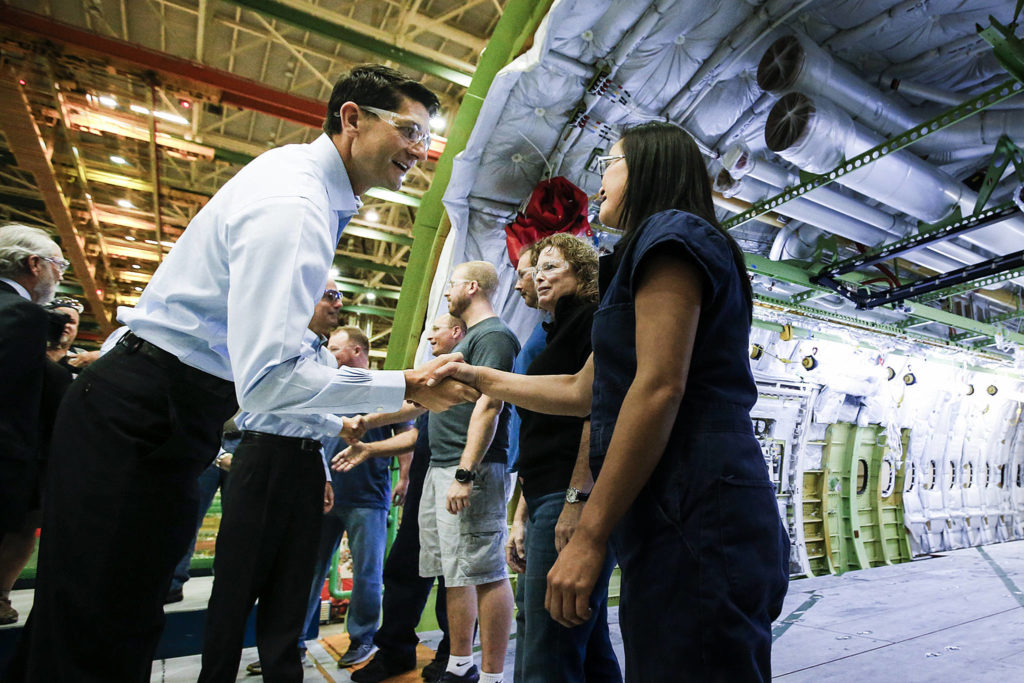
point(26, 142)
point(232, 90)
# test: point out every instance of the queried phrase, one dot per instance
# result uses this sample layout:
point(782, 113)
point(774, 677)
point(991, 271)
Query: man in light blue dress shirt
point(219, 326)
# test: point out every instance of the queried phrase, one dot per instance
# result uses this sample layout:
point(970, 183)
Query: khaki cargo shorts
point(468, 549)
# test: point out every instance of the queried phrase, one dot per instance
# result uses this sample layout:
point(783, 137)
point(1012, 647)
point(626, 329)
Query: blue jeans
point(367, 536)
point(552, 652)
point(210, 480)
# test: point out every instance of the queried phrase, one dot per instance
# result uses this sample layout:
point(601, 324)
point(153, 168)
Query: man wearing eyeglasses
point(221, 321)
point(31, 267)
point(462, 513)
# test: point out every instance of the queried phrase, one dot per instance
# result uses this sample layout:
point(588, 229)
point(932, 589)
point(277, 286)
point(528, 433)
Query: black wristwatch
point(574, 495)
point(464, 476)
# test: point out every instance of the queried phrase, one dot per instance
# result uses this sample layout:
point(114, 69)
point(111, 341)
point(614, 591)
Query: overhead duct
point(800, 243)
point(741, 164)
point(797, 63)
point(817, 136)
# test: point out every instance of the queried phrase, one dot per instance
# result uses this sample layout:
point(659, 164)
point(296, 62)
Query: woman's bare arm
point(550, 394)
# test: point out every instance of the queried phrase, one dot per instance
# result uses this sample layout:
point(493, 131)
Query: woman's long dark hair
point(666, 171)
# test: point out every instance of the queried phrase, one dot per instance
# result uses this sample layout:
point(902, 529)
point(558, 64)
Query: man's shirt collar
point(17, 288)
point(339, 187)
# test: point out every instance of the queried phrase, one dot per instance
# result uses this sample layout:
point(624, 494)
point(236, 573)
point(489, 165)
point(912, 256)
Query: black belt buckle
point(130, 342)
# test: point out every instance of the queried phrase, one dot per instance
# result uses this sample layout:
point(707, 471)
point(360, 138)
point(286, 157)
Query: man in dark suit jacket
point(31, 266)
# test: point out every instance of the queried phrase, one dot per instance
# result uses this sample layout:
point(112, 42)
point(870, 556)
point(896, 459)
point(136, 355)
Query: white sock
point(459, 665)
point(491, 678)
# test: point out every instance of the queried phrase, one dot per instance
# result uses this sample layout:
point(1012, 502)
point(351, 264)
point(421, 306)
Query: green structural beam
point(390, 196)
point(980, 283)
point(794, 274)
point(375, 234)
point(1011, 315)
point(1008, 49)
point(518, 20)
point(349, 262)
point(336, 32)
point(894, 144)
point(351, 288)
point(942, 317)
point(369, 310)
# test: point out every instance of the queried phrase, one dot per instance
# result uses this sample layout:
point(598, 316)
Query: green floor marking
point(794, 616)
point(1007, 581)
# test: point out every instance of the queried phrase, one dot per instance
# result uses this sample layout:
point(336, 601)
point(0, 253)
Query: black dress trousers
point(131, 437)
point(405, 591)
point(266, 550)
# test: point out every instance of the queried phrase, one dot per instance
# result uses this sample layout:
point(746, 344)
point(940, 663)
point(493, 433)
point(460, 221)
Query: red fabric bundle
point(555, 205)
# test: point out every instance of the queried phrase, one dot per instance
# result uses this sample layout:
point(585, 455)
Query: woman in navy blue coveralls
point(682, 490)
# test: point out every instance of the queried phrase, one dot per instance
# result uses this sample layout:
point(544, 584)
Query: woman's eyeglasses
point(551, 266)
point(332, 295)
point(603, 162)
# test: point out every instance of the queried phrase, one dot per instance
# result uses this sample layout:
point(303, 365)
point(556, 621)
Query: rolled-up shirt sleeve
point(280, 255)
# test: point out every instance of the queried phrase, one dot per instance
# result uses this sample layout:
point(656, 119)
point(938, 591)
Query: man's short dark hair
point(373, 85)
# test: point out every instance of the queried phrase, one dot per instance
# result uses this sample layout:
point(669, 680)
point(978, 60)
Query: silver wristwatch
point(574, 495)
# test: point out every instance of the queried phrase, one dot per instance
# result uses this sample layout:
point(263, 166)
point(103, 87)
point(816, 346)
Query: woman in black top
point(554, 469)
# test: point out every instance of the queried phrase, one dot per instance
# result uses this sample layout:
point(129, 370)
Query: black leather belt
point(291, 442)
point(133, 344)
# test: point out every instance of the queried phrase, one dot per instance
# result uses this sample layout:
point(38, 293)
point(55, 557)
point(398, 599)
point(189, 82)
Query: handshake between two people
point(436, 386)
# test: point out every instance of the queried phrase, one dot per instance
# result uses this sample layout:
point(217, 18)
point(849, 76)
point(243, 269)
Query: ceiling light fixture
point(172, 118)
point(438, 123)
point(129, 238)
point(139, 110)
point(118, 160)
point(125, 204)
point(136, 266)
point(372, 216)
point(370, 296)
point(108, 101)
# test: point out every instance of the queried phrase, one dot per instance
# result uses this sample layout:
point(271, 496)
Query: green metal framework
point(352, 288)
point(944, 231)
point(337, 32)
point(518, 21)
point(971, 285)
point(894, 144)
point(375, 234)
point(795, 274)
point(859, 521)
point(369, 310)
point(341, 261)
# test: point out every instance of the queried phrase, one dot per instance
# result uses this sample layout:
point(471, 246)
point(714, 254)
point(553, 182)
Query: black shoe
point(472, 675)
point(378, 669)
point(432, 672)
point(174, 595)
